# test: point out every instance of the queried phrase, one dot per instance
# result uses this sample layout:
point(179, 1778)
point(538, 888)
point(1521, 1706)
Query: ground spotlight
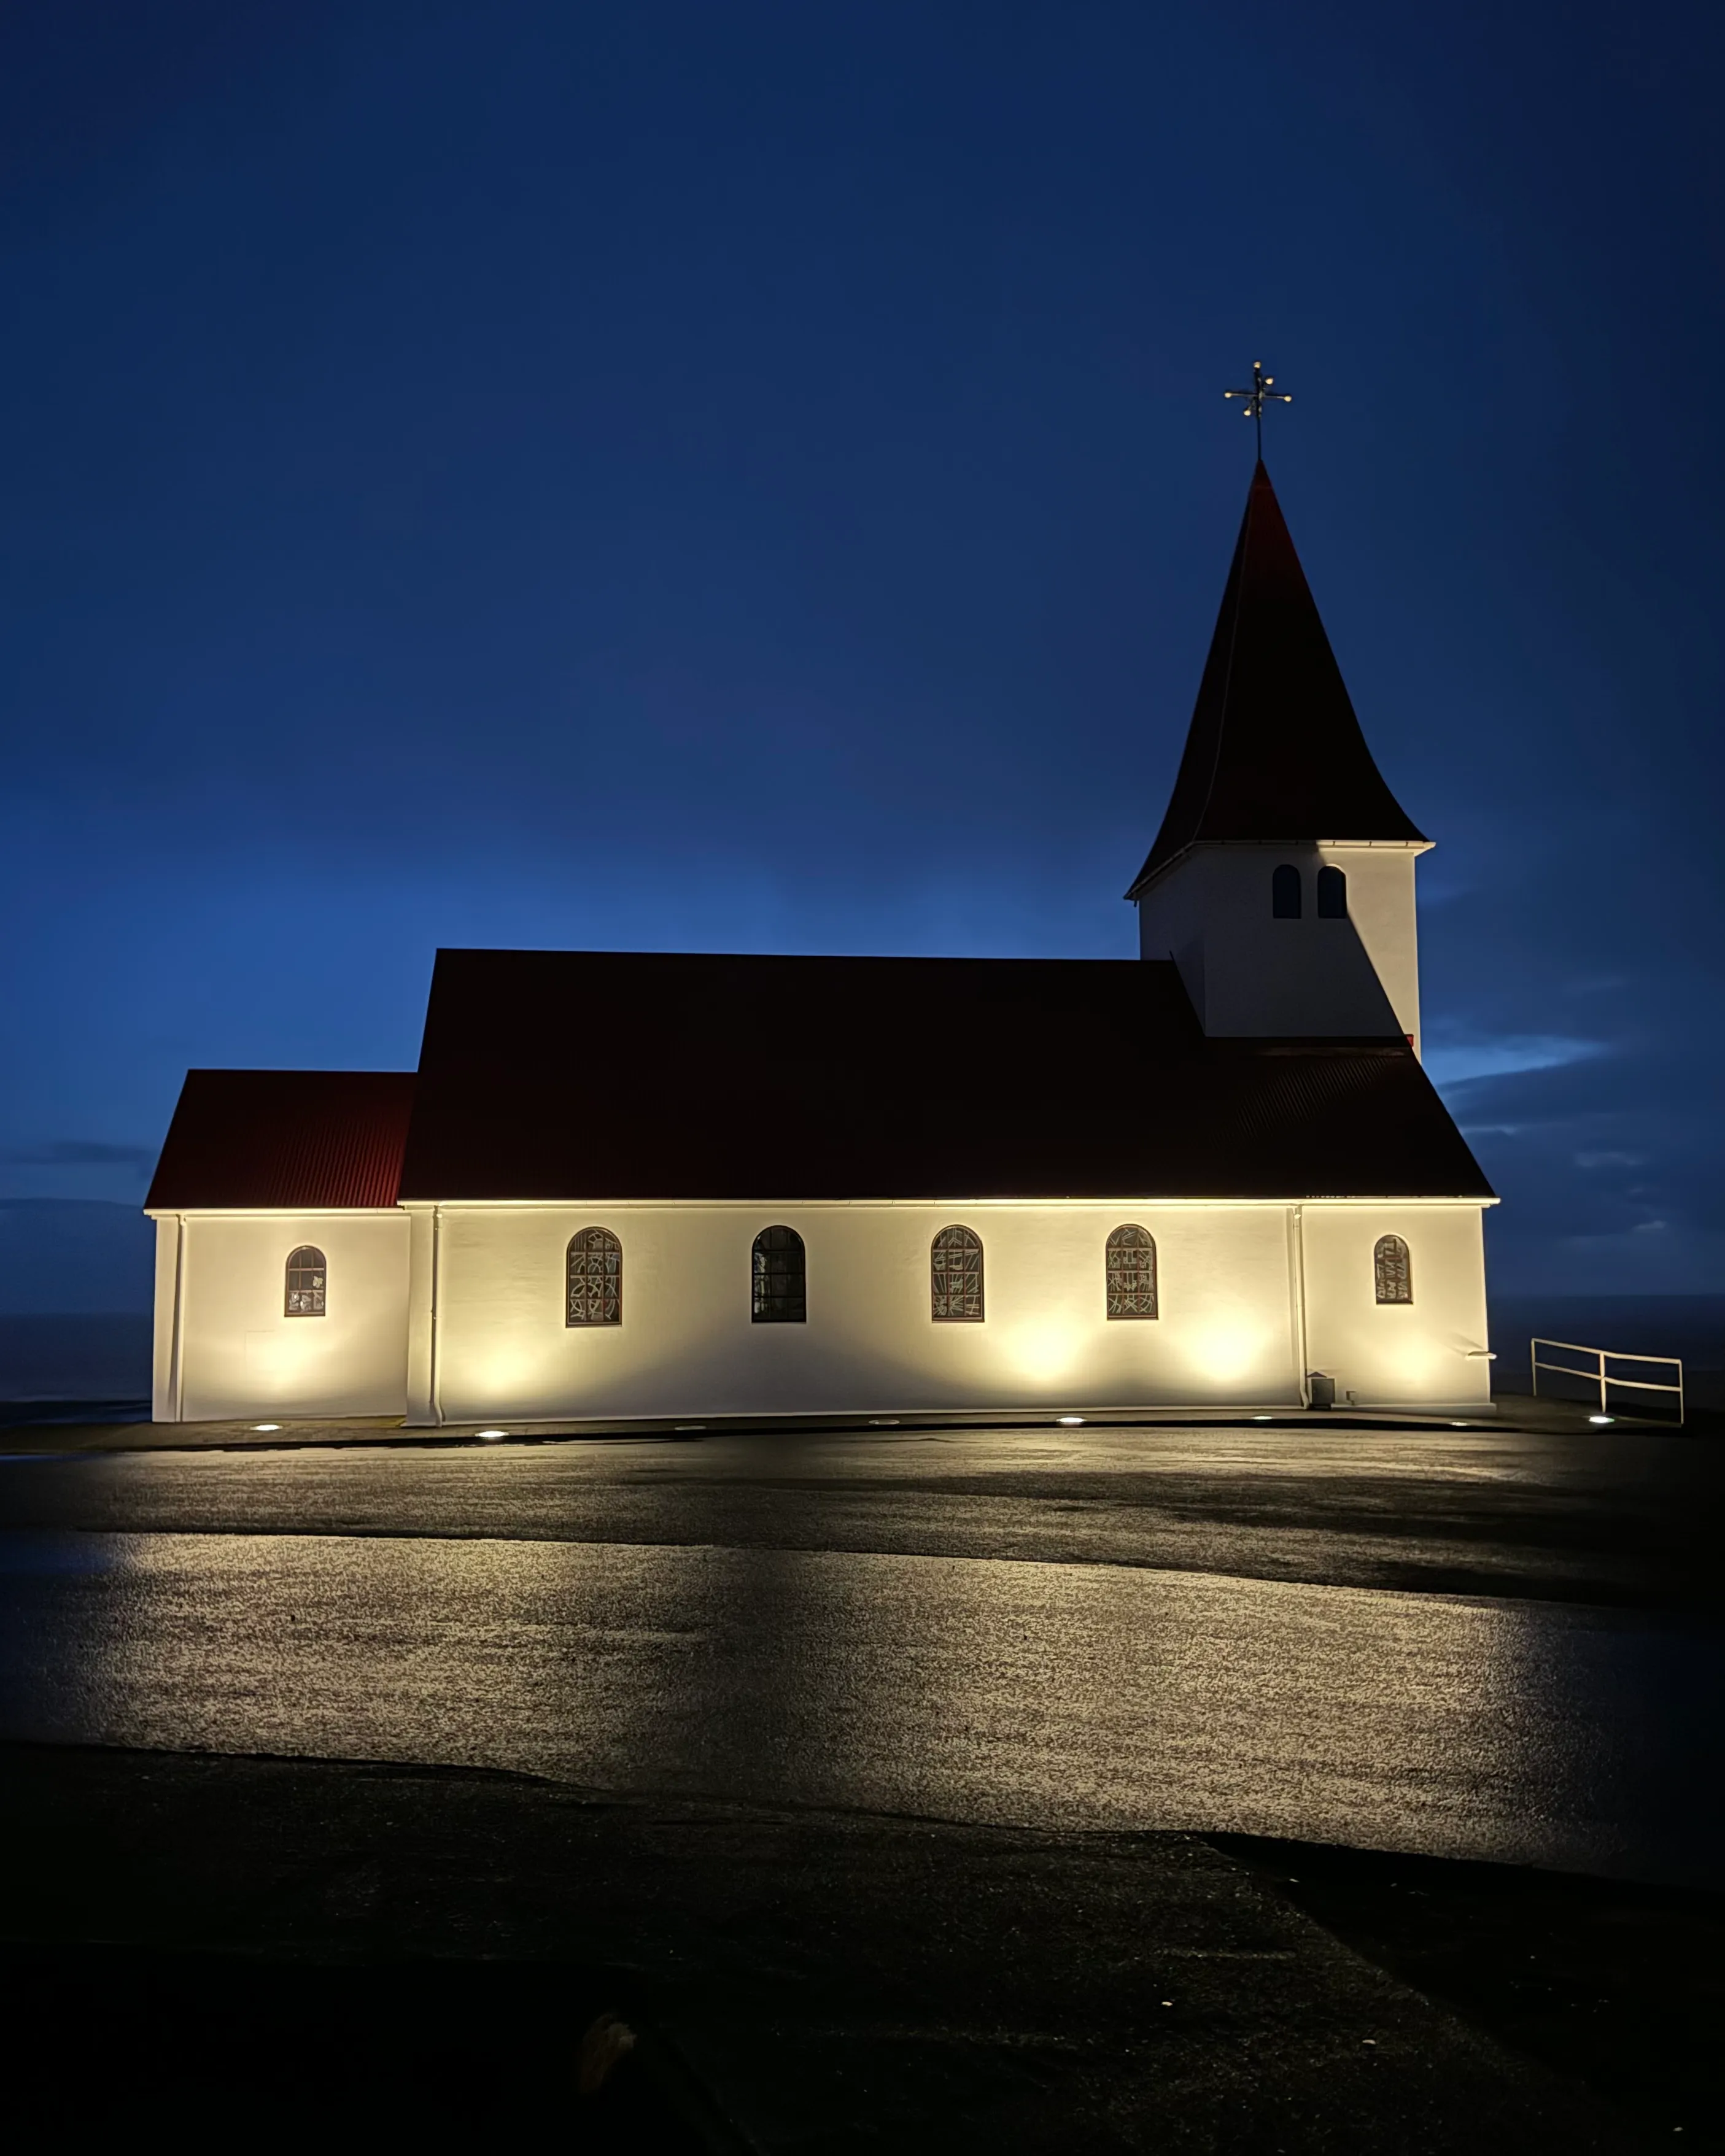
point(491, 1436)
point(266, 1425)
point(1072, 1422)
point(1602, 1418)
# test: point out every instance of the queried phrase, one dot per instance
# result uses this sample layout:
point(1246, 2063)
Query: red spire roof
point(1275, 751)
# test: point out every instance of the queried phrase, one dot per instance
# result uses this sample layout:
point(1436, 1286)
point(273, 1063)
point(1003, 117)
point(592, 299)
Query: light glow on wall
point(504, 1373)
point(303, 1359)
point(1228, 1350)
point(1425, 1373)
point(1044, 1348)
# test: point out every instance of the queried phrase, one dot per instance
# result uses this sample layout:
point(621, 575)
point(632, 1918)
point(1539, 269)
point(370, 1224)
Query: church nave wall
point(226, 1347)
point(1238, 1289)
point(687, 1345)
point(1430, 1349)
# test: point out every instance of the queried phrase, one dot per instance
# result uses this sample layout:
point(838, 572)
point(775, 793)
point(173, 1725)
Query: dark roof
point(611, 1075)
point(1275, 751)
point(284, 1138)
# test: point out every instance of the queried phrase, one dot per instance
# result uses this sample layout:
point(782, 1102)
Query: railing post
point(1603, 1376)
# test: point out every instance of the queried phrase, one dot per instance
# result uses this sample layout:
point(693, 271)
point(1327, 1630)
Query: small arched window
point(1285, 893)
point(780, 1278)
point(307, 1282)
point(955, 1277)
point(593, 1279)
point(1393, 1270)
point(1131, 1273)
point(1332, 894)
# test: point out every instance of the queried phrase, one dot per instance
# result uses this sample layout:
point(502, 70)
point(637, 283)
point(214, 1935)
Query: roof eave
point(1147, 876)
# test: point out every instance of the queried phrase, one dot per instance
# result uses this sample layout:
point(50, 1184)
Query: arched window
point(955, 1277)
point(307, 1282)
point(593, 1277)
point(780, 1278)
point(1131, 1273)
point(1393, 1270)
point(1332, 894)
point(1285, 893)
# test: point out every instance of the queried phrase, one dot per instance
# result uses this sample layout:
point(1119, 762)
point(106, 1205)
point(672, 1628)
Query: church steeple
point(1275, 754)
point(1281, 881)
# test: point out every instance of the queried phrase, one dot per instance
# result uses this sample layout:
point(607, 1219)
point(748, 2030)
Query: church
point(629, 1187)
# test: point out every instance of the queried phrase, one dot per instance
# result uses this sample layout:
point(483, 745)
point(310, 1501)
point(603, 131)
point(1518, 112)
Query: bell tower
point(1281, 881)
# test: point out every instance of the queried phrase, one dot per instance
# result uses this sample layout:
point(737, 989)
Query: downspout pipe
point(177, 1375)
point(1296, 1274)
point(437, 1369)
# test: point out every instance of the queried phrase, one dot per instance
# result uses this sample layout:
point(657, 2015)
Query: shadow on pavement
point(254, 1942)
point(1618, 1985)
point(202, 2049)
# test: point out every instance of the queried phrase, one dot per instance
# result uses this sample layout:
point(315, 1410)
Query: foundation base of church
point(310, 1433)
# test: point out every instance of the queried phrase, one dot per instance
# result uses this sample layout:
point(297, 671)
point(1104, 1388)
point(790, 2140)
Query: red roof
point(1275, 751)
point(620, 1075)
point(596, 1074)
point(284, 1138)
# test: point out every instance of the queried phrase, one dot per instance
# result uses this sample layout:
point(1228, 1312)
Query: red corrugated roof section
point(594, 1075)
point(284, 1138)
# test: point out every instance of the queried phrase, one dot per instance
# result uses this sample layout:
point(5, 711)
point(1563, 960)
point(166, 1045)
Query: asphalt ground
point(214, 1948)
point(892, 1784)
point(1612, 1518)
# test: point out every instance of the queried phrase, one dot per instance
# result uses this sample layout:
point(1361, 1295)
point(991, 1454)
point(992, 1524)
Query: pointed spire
point(1275, 751)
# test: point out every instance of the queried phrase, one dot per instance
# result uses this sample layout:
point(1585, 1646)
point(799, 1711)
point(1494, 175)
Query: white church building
point(623, 1186)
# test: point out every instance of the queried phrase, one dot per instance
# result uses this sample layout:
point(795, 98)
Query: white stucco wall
point(1228, 1334)
point(687, 1344)
point(226, 1349)
point(1249, 974)
point(1251, 1297)
point(165, 1374)
point(1385, 1355)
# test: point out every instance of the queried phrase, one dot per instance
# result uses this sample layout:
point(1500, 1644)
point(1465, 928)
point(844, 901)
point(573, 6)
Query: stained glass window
point(1285, 893)
point(307, 1282)
point(1131, 1273)
point(1393, 1269)
point(1332, 894)
point(594, 1274)
point(780, 1278)
point(955, 1276)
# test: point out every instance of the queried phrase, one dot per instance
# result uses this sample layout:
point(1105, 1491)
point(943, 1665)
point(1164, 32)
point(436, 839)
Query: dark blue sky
point(720, 475)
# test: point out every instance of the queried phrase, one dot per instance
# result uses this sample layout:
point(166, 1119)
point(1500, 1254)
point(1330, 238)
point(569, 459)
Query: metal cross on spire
point(1257, 396)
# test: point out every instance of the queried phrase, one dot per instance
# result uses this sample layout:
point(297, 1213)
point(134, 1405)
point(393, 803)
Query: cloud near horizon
point(1455, 1058)
point(80, 1152)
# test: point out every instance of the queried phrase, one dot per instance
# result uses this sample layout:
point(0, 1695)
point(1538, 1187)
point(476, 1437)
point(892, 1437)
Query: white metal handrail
point(1602, 1378)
